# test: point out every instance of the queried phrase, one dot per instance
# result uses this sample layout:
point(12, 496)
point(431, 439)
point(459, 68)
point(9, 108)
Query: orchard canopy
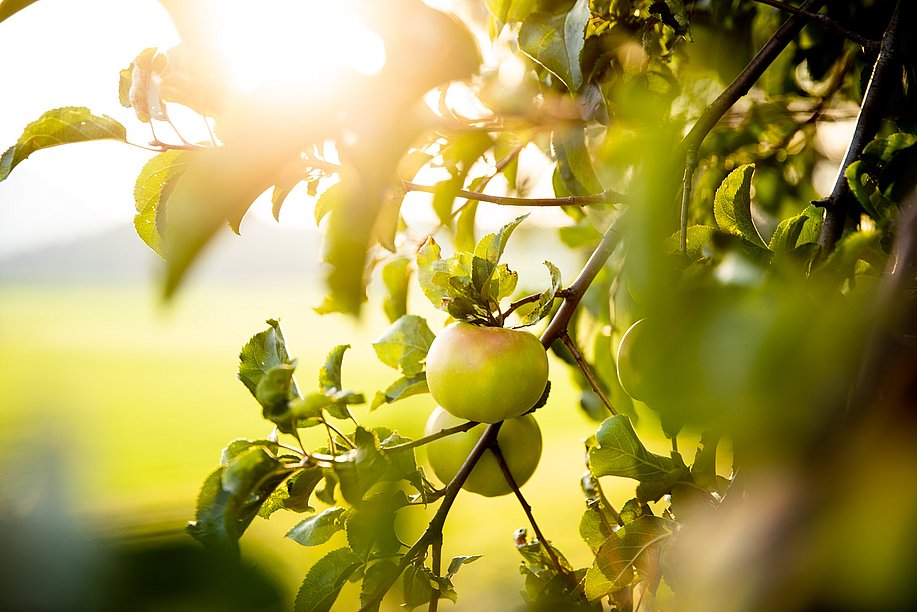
point(736, 182)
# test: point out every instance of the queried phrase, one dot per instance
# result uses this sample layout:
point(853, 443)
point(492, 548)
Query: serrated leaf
point(594, 528)
point(400, 389)
point(329, 377)
point(491, 246)
point(635, 544)
point(404, 345)
point(294, 494)
point(152, 188)
point(546, 300)
point(60, 126)
point(318, 529)
point(396, 274)
point(556, 42)
point(732, 205)
point(811, 230)
point(418, 583)
point(275, 390)
point(324, 581)
point(786, 234)
point(359, 469)
point(263, 352)
point(620, 453)
point(502, 284)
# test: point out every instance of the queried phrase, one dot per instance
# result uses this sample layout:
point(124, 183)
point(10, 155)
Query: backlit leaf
point(621, 453)
point(152, 185)
point(556, 42)
point(318, 529)
point(636, 544)
point(404, 344)
point(400, 389)
point(396, 274)
point(732, 205)
point(323, 583)
point(546, 300)
point(59, 127)
point(329, 377)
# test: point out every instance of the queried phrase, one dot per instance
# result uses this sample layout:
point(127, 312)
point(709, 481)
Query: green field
point(140, 398)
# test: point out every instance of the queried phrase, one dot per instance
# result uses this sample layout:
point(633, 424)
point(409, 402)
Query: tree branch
point(738, 88)
point(437, 563)
point(838, 205)
point(587, 371)
point(825, 20)
point(606, 197)
point(442, 433)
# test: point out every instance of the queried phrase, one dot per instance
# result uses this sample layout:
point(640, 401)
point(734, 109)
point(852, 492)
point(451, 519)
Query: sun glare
point(301, 42)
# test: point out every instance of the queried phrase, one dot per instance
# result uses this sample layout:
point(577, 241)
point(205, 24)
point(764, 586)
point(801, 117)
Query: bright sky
point(63, 53)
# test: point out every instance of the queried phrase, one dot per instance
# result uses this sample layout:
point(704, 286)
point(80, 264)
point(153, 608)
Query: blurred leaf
point(274, 391)
point(318, 529)
point(386, 227)
point(372, 526)
point(464, 227)
point(418, 582)
point(636, 544)
point(8, 8)
point(511, 11)
point(287, 178)
point(400, 389)
point(546, 300)
point(326, 493)
point(294, 494)
point(698, 242)
point(732, 205)
point(327, 202)
point(444, 197)
point(329, 377)
point(556, 42)
point(323, 583)
point(237, 447)
point(152, 186)
point(884, 149)
point(360, 468)
point(404, 345)
point(396, 274)
point(263, 352)
point(620, 453)
point(377, 575)
point(703, 470)
point(58, 127)
point(673, 14)
point(574, 162)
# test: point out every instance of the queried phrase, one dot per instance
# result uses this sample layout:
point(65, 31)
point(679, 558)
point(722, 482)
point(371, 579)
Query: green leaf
point(866, 190)
point(328, 201)
point(372, 526)
point(263, 352)
point(275, 390)
point(620, 453)
point(511, 11)
point(884, 149)
point(556, 42)
point(431, 275)
point(223, 515)
point(490, 248)
point(377, 575)
point(786, 234)
point(673, 14)
point(59, 127)
point(8, 8)
point(294, 494)
point(329, 377)
point(593, 527)
point(546, 300)
point(396, 274)
point(636, 544)
point(318, 529)
point(732, 205)
point(811, 230)
point(323, 583)
point(457, 562)
point(574, 162)
point(419, 583)
point(404, 345)
point(360, 468)
point(152, 187)
point(400, 389)
point(385, 229)
point(698, 241)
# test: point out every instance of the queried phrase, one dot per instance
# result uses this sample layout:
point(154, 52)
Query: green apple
point(486, 374)
point(519, 440)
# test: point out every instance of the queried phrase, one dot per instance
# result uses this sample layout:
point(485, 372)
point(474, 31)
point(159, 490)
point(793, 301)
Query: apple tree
point(771, 307)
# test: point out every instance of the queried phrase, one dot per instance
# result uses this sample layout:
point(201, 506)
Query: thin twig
point(527, 508)
point(442, 433)
point(341, 435)
point(587, 371)
point(824, 20)
point(838, 205)
point(606, 197)
point(519, 303)
point(726, 100)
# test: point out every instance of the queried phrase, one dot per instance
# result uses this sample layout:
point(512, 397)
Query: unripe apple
point(519, 440)
point(486, 374)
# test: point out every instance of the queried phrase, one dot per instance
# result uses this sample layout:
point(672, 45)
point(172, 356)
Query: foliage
point(776, 322)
